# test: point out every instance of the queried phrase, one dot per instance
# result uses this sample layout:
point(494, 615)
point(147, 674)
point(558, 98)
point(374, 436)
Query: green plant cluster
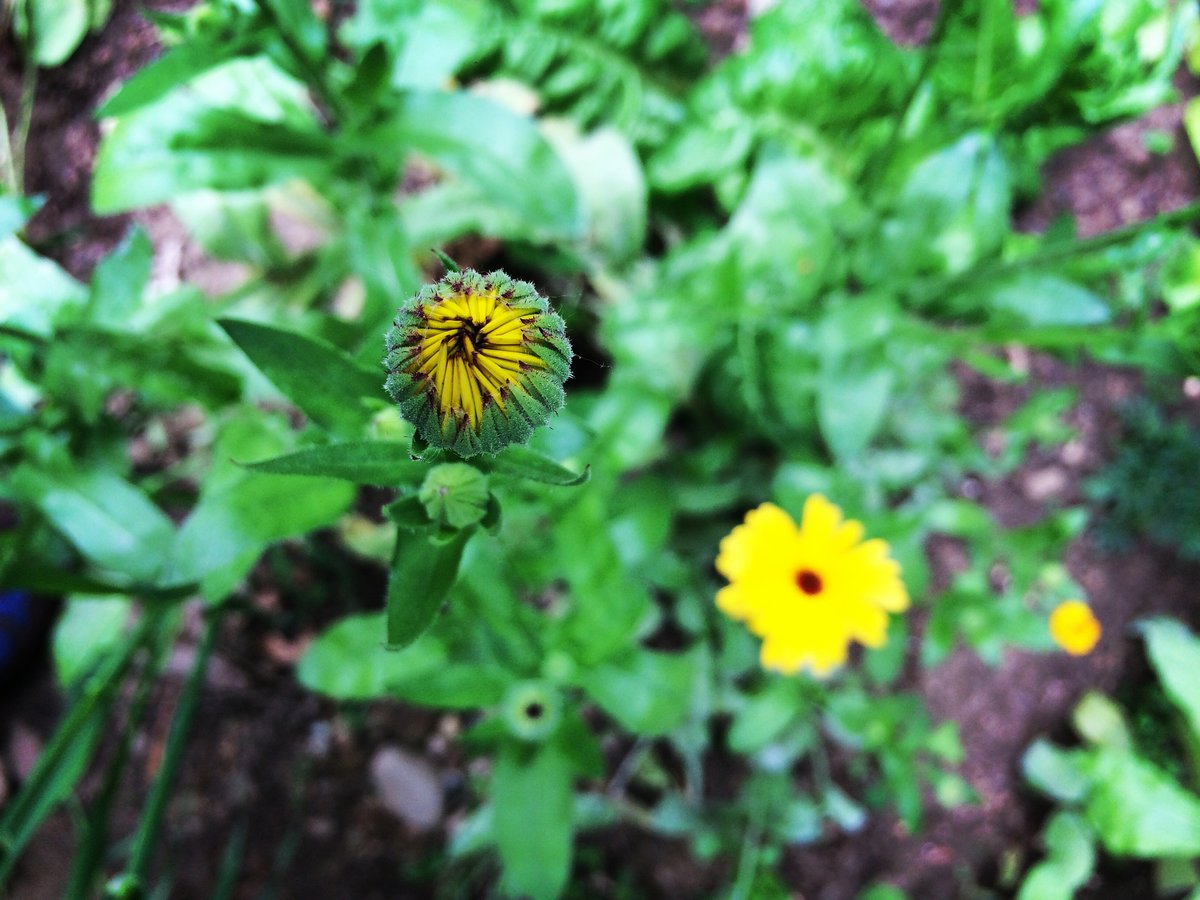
point(776, 259)
point(1133, 798)
point(1147, 488)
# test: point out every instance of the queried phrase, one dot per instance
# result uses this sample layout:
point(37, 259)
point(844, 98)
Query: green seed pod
point(477, 362)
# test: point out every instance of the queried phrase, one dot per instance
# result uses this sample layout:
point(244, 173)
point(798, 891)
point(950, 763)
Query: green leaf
point(15, 212)
point(766, 716)
point(446, 127)
point(953, 210)
point(1139, 810)
point(851, 404)
point(1175, 654)
point(108, 520)
point(320, 379)
point(423, 572)
point(1099, 720)
point(386, 463)
point(240, 511)
point(350, 662)
point(532, 802)
point(1037, 298)
point(174, 68)
point(1061, 774)
point(521, 462)
point(244, 124)
point(1070, 859)
point(119, 280)
point(648, 693)
point(611, 186)
point(52, 29)
point(34, 291)
point(303, 29)
point(90, 627)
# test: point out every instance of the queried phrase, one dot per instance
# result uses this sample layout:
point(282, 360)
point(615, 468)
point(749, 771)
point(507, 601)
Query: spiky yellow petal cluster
point(808, 591)
point(1074, 627)
point(477, 362)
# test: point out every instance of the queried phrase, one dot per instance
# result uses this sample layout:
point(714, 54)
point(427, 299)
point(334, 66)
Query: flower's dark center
point(534, 710)
point(809, 582)
point(468, 340)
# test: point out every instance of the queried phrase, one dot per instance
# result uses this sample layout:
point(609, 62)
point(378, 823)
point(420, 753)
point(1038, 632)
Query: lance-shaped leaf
point(384, 463)
point(423, 571)
point(319, 378)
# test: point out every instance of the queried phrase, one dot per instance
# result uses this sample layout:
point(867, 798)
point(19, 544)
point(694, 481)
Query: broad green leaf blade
point(648, 693)
point(1070, 859)
point(90, 627)
point(1139, 810)
point(521, 462)
point(422, 574)
point(319, 378)
point(611, 186)
point(176, 67)
point(15, 212)
point(244, 124)
point(53, 29)
point(1062, 774)
point(108, 520)
point(850, 407)
point(34, 291)
point(240, 512)
point(119, 281)
point(1175, 654)
point(446, 127)
point(766, 716)
point(1038, 298)
point(532, 799)
point(350, 662)
point(386, 463)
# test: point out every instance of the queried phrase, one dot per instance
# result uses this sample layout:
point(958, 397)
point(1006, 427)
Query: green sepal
point(450, 264)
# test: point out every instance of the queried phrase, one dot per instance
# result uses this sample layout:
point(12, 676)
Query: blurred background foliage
point(775, 267)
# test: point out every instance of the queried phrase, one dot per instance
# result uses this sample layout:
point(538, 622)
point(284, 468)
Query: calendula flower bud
point(476, 362)
point(455, 495)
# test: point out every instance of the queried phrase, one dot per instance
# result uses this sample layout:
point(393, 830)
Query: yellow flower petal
point(1074, 627)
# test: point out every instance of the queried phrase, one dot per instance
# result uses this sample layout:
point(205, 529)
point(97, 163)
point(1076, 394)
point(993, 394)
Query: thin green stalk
point(131, 882)
point(89, 857)
point(8, 172)
point(984, 51)
point(934, 290)
point(24, 123)
point(748, 860)
point(39, 793)
point(231, 861)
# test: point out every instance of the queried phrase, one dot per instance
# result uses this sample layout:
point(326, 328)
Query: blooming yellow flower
point(808, 591)
point(1074, 627)
point(476, 362)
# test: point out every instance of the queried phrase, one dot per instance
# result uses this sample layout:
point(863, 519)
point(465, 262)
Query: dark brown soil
point(292, 770)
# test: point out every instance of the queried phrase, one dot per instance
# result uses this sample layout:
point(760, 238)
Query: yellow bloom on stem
point(1074, 627)
point(808, 591)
